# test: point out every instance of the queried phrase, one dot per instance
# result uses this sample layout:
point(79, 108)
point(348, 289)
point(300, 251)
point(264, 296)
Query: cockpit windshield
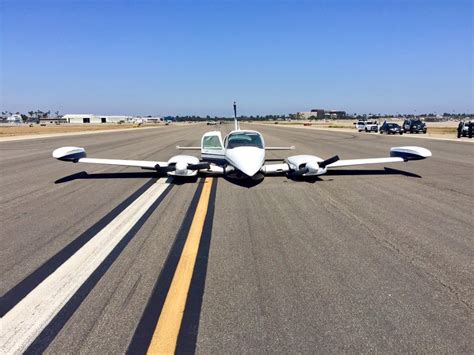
point(244, 139)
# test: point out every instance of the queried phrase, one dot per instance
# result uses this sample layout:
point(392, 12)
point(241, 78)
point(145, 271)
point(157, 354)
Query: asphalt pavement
point(372, 259)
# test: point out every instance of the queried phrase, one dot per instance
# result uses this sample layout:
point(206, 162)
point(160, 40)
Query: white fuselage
point(245, 151)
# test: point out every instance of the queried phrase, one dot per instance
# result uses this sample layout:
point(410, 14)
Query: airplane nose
point(248, 160)
point(251, 167)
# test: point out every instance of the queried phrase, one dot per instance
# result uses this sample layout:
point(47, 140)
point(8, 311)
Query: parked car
point(367, 126)
point(414, 126)
point(390, 128)
point(465, 128)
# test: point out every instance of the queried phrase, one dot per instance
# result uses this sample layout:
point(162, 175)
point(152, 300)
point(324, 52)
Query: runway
point(373, 259)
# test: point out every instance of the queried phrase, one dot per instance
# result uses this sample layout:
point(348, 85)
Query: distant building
point(148, 119)
point(336, 114)
point(50, 119)
point(320, 114)
point(307, 115)
point(14, 119)
point(91, 118)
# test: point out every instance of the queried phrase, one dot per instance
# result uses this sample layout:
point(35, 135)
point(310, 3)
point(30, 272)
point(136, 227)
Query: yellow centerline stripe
point(167, 330)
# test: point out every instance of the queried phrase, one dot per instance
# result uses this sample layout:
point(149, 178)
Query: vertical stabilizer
point(236, 123)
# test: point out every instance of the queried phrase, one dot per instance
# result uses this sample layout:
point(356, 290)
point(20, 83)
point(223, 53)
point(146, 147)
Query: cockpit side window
point(244, 139)
point(211, 142)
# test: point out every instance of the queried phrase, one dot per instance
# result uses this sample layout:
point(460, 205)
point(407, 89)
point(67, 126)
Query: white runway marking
point(23, 323)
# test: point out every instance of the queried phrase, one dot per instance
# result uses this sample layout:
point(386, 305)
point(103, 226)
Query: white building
point(148, 119)
point(14, 119)
point(91, 118)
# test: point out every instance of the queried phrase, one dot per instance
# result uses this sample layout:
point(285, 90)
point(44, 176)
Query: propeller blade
point(165, 169)
point(298, 173)
point(199, 166)
point(326, 162)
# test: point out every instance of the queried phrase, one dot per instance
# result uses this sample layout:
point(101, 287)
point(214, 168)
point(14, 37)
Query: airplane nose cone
point(248, 160)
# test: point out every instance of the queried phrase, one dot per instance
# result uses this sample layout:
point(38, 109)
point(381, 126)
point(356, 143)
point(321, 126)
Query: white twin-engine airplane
point(241, 154)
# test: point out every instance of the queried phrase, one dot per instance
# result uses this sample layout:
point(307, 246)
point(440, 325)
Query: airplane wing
point(136, 163)
point(310, 165)
point(280, 148)
point(179, 165)
point(352, 162)
point(397, 154)
point(187, 148)
point(275, 169)
point(78, 155)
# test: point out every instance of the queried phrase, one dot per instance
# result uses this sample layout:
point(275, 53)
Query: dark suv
point(414, 126)
point(391, 128)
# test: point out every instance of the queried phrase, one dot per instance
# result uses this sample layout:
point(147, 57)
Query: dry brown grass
point(23, 130)
point(442, 130)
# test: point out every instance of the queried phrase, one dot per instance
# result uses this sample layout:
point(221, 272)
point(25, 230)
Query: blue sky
point(196, 57)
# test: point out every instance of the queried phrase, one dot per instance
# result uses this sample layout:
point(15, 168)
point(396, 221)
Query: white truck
point(367, 126)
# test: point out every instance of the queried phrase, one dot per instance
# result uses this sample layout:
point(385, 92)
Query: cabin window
point(245, 140)
point(86, 120)
point(103, 120)
point(211, 142)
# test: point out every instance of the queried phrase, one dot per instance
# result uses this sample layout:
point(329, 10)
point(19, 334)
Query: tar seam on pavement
point(146, 326)
point(24, 287)
point(48, 334)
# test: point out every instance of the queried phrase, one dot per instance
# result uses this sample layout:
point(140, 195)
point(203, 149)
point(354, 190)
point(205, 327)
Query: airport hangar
point(91, 118)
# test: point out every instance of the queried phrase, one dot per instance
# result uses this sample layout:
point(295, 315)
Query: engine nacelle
point(309, 163)
point(181, 163)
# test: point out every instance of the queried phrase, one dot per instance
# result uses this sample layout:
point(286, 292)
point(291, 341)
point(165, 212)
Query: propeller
point(165, 169)
point(199, 166)
point(298, 173)
point(326, 162)
point(304, 170)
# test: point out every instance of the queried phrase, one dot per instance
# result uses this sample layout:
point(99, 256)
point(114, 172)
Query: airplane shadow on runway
point(84, 175)
point(356, 172)
point(385, 171)
point(248, 183)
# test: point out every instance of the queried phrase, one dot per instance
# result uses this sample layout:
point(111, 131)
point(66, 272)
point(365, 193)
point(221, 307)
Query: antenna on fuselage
point(236, 123)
